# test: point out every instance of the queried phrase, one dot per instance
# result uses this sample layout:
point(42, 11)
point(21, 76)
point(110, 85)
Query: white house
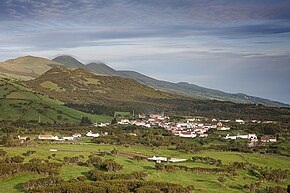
point(164, 159)
point(230, 137)
point(22, 137)
point(157, 159)
point(77, 135)
point(124, 122)
point(203, 135)
point(240, 121)
point(242, 136)
point(223, 128)
point(252, 136)
point(91, 134)
point(174, 160)
point(247, 136)
point(68, 138)
point(187, 134)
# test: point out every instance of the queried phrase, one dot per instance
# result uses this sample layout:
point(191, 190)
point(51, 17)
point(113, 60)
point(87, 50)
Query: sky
point(238, 46)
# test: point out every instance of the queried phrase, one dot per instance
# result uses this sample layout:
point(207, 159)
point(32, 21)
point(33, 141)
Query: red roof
point(45, 136)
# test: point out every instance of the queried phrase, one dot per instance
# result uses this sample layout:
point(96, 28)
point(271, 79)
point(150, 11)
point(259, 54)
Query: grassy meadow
point(201, 182)
point(18, 103)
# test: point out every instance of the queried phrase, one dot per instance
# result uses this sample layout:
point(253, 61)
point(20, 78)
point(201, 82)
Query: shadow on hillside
point(148, 167)
point(19, 187)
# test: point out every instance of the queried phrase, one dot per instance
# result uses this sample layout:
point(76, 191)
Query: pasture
point(201, 182)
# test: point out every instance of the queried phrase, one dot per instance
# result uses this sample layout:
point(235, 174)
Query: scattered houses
point(164, 159)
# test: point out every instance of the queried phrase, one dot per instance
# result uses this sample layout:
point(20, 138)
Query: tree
point(114, 121)
point(111, 166)
point(85, 121)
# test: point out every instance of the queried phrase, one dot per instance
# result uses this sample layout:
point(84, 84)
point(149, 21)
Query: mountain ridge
point(99, 68)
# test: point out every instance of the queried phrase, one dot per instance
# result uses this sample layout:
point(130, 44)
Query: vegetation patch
point(52, 86)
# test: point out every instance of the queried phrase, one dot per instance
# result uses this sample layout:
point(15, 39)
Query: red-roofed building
point(48, 137)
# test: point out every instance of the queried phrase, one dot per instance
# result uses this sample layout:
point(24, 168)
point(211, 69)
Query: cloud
point(201, 41)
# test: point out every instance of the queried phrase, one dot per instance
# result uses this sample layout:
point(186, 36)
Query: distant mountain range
point(35, 66)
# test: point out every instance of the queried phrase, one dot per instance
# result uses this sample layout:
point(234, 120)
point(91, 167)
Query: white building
point(77, 135)
point(240, 121)
point(230, 137)
point(68, 138)
point(47, 137)
point(164, 159)
point(157, 159)
point(223, 128)
point(247, 136)
point(91, 134)
point(187, 134)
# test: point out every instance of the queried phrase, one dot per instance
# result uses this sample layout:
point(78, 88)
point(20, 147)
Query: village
point(190, 128)
point(196, 127)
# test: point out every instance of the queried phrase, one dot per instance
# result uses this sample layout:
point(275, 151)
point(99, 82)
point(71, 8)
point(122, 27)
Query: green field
point(201, 182)
point(18, 103)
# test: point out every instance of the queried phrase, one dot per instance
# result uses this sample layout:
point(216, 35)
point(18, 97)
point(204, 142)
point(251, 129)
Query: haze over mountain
point(35, 66)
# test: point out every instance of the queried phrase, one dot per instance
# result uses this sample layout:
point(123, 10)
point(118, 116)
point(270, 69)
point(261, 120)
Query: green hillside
point(29, 66)
point(19, 103)
point(80, 86)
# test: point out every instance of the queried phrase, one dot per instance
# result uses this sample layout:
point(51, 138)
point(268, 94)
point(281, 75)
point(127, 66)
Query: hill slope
point(102, 69)
point(190, 90)
point(80, 86)
point(19, 103)
point(83, 90)
point(27, 66)
point(196, 91)
point(68, 61)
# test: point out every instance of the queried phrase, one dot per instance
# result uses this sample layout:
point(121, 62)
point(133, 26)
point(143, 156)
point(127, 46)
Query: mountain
point(102, 69)
point(80, 86)
point(27, 66)
point(196, 91)
point(30, 67)
point(68, 61)
point(20, 103)
point(190, 90)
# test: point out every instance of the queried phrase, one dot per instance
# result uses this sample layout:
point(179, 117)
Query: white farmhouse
point(240, 121)
point(187, 134)
point(91, 134)
point(230, 137)
point(223, 128)
point(68, 138)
